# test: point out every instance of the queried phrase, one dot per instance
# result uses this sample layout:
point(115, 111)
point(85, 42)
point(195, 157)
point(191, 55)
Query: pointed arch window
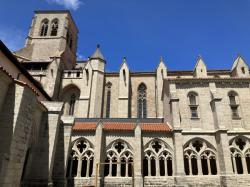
point(54, 27)
point(81, 159)
point(72, 104)
point(233, 100)
point(119, 160)
point(44, 27)
point(142, 101)
point(108, 99)
point(240, 155)
point(199, 158)
point(157, 159)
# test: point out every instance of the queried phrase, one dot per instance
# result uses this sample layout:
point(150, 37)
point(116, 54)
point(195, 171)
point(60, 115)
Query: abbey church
point(65, 122)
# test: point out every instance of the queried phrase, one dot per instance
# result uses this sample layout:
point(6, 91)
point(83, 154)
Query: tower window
point(44, 27)
point(142, 101)
point(54, 27)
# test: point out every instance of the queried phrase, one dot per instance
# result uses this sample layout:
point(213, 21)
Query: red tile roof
point(84, 126)
point(118, 126)
point(122, 126)
point(156, 127)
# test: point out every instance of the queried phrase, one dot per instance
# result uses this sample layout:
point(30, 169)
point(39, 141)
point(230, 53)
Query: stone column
point(190, 166)
point(88, 163)
point(166, 167)
point(53, 121)
point(138, 156)
point(208, 166)
point(149, 167)
point(110, 168)
point(244, 165)
point(126, 168)
point(199, 166)
point(118, 173)
point(157, 166)
point(99, 154)
point(79, 168)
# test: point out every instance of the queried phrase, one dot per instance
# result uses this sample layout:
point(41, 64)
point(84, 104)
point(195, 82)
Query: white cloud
point(12, 37)
point(70, 4)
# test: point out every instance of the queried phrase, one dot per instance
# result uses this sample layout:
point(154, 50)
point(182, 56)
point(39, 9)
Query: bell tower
point(52, 33)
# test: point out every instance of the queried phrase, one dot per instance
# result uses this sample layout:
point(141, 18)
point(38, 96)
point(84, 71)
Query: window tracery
point(119, 160)
point(199, 158)
point(81, 159)
point(240, 155)
point(157, 159)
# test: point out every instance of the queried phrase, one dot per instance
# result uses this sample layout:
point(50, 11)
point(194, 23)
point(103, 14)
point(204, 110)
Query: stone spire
point(97, 54)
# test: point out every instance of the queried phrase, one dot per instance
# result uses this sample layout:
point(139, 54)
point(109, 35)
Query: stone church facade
point(65, 122)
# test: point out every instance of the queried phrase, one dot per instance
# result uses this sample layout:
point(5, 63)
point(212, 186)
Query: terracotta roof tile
point(122, 126)
point(118, 126)
point(156, 127)
point(84, 126)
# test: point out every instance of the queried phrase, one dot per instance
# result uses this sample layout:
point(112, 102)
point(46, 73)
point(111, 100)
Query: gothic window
point(44, 27)
point(240, 154)
point(108, 86)
point(157, 159)
point(54, 27)
point(193, 104)
point(199, 158)
point(72, 104)
point(233, 99)
point(142, 101)
point(81, 159)
point(119, 160)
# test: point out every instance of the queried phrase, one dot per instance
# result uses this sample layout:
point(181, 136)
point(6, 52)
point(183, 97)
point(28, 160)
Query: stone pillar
point(199, 166)
point(157, 164)
point(178, 153)
point(138, 156)
point(166, 166)
point(99, 154)
point(123, 98)
point(68, 122)
point(53, 121)
point(79, 167)
point(224, 157)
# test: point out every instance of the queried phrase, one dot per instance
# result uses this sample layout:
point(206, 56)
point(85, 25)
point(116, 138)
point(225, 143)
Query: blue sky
point(144, 30)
